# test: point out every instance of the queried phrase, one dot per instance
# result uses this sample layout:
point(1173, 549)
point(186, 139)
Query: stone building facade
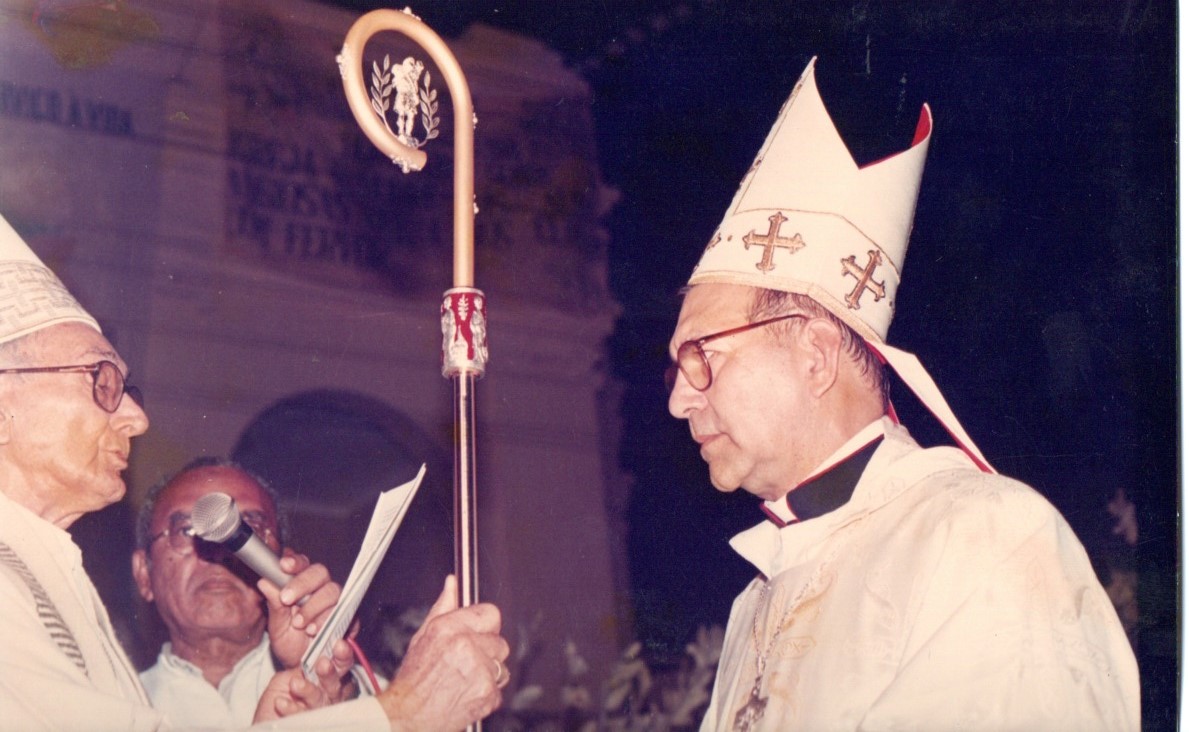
point(193, 174)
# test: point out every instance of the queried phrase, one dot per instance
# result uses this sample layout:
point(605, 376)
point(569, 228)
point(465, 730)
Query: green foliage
point(633, 698)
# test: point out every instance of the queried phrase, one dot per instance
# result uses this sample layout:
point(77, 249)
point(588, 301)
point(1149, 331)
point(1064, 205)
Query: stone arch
point(329, 453)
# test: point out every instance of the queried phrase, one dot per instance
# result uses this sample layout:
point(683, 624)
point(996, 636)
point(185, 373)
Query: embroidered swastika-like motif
point(31, 294)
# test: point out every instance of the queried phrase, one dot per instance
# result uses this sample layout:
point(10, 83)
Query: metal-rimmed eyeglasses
point(182, 539)
point(692, 361)
point(108, 383)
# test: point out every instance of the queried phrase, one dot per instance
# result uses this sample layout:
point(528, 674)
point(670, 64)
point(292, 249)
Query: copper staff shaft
point(464, 306)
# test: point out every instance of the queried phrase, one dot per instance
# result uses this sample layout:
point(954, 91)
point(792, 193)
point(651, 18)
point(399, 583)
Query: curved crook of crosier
point(351, 67)
point(462, 302)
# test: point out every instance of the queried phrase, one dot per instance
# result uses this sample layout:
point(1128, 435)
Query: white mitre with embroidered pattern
point(31, 296)
point(808, 219)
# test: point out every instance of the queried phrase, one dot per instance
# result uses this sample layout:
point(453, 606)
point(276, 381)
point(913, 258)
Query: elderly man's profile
point(68, 416)
point(897, 587)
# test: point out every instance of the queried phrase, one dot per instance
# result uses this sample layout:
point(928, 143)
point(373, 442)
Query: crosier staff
point(464, 310)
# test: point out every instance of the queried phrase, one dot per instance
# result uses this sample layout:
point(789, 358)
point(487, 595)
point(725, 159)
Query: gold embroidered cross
point(771, 241)
point(863, 275)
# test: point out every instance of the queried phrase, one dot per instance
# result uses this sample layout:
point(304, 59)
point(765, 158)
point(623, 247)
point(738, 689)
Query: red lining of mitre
point(924, 127)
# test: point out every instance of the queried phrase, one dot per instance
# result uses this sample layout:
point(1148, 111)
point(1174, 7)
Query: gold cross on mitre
point(807, 195)
point(771, 241)
point(805, 173)
point(863, 275)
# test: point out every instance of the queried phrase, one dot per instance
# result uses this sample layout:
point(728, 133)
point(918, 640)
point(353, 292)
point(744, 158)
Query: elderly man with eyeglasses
point(66, 431)
point(219, 659)
point(897, 587)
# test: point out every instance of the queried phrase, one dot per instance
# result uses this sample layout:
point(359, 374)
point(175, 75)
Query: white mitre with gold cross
point(31, 296)
point(808, 219)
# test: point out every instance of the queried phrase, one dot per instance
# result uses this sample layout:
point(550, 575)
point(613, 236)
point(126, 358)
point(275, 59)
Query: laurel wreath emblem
point(403, 91)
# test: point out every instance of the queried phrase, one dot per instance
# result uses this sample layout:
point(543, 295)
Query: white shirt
point(178, 689)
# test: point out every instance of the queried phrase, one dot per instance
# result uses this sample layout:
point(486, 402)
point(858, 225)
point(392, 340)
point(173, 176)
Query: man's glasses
point(182, 539)
point(109, 386)
point(692, 361)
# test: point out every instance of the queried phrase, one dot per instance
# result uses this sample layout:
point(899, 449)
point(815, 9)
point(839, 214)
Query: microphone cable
point(361, 659)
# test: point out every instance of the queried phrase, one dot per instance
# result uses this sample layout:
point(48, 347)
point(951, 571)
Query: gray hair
point(144, 518)
point(770, 303)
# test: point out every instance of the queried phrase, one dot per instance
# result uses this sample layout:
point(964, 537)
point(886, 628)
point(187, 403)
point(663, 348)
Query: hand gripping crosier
point(464, 308)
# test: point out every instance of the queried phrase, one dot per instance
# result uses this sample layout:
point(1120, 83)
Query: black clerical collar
point(826, 491)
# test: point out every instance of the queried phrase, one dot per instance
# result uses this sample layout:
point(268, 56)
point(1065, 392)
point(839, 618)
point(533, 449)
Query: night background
point(1040, 283)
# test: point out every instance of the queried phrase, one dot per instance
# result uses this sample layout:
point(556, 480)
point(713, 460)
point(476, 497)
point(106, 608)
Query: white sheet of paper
point(391, 507)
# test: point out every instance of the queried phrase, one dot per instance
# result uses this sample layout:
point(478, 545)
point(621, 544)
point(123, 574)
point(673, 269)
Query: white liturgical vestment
point(62, 668)
point(938, 597)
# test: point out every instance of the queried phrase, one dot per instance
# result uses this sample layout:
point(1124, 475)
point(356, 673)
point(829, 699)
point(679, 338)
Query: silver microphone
point(215, 518)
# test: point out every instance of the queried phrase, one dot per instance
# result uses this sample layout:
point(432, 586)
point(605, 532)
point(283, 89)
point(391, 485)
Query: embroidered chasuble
point(938, 597)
